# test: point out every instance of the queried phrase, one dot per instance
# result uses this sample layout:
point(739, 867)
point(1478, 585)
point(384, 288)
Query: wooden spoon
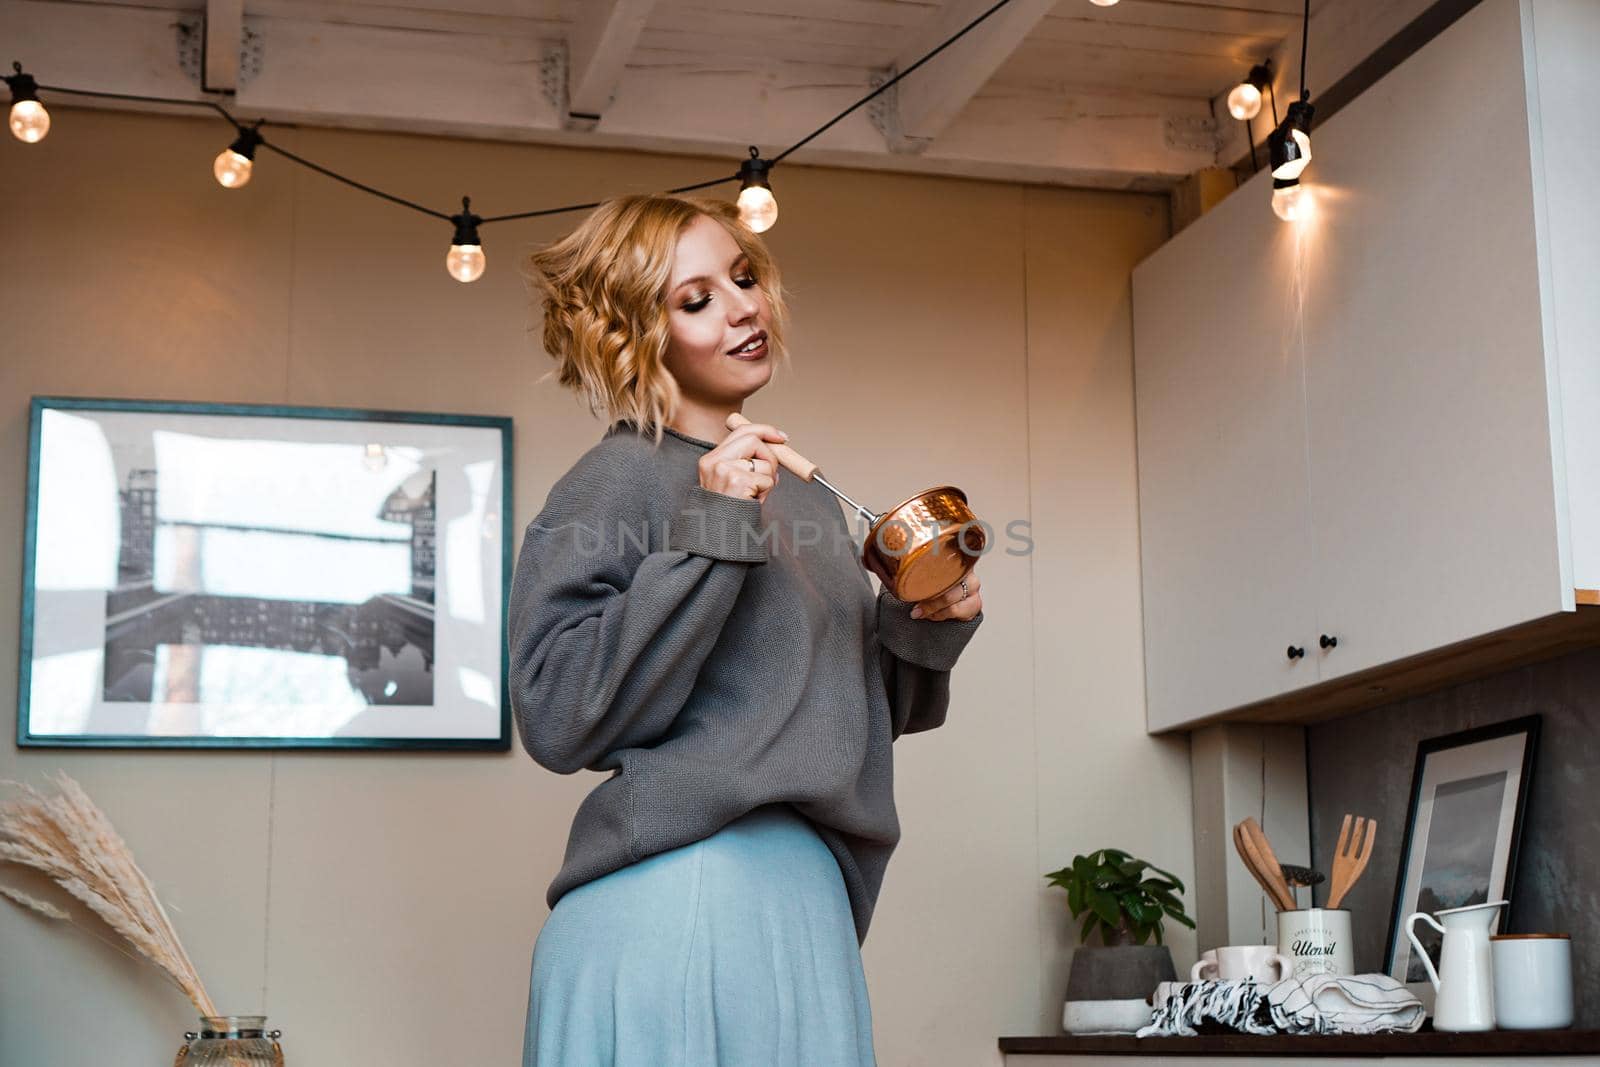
point(1350, 857)
point(1267, 876)
point(1241, 844)
point(1271, 868)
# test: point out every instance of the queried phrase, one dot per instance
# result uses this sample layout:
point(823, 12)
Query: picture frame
point(1463, 832)
point(206, 575)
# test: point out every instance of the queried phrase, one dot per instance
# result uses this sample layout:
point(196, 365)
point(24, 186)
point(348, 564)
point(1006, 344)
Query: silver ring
point(964, 591)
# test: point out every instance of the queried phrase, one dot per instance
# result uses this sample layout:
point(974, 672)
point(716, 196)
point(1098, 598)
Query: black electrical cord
point(218, 108)
point(948, 42)
point(320, 169)
point(1305, 42)
point(403, 202)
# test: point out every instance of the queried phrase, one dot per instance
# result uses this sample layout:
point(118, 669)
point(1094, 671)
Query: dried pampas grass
point(70, 840)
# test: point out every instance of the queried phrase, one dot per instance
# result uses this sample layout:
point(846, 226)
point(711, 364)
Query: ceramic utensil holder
point(1317, 940)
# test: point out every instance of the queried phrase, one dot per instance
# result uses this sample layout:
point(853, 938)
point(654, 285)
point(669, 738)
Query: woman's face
point(715, 307)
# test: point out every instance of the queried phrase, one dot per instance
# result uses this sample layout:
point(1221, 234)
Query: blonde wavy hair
point(604, 289)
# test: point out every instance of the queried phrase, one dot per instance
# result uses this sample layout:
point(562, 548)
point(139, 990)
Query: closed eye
point(700, 304)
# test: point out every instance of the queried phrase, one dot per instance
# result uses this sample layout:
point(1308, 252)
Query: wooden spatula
point(1350, 857)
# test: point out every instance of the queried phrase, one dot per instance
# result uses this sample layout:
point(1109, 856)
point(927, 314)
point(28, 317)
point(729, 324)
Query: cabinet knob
point(1329, 642)
point(1296, 652)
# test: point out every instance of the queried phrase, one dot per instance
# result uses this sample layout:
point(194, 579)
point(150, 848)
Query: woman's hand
point(953, 603)
point(743, 465)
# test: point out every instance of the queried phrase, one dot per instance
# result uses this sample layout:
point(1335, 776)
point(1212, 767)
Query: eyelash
point(699, 305)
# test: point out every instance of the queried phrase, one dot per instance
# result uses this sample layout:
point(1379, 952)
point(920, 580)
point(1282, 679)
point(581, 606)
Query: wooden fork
point(1350, 857)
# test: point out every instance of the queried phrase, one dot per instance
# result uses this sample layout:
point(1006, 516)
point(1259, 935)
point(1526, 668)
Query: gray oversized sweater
point(714, 654)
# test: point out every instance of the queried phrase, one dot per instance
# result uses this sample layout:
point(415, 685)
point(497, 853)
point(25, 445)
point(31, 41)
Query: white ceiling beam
point(931, 98)
point(597, 52)
point(487, 86)
point(224, 35)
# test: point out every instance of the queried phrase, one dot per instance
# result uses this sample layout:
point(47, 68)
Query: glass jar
point(231, 1041)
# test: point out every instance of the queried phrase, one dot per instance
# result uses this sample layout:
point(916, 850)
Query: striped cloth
point(1316, 1004)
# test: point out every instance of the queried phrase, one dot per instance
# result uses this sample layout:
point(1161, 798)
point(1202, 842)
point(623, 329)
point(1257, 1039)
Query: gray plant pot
point(1108, 988)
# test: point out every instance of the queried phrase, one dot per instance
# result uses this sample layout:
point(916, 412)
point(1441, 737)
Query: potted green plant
point(1126, 900)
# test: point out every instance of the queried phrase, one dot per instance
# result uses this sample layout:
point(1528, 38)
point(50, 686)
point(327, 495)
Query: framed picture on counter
point(235, 576)
point(1468, 792)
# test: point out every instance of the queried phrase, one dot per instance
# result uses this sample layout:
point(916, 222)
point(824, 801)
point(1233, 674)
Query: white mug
point(1316, 940)
point(1235, 963)
point(1532, 981)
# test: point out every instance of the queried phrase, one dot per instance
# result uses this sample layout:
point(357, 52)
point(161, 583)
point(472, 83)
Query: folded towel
point(1316, 1004)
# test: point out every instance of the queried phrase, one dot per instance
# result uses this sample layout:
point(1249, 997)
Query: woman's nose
point(743, 306)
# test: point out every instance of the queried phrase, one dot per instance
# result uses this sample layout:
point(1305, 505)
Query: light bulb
point(233, 164)
point(758, 207)
point(1292, 202)
point(29, 121)
point(232, 169)
point(1244, 103)
point(465, 262)
point(1103, 3)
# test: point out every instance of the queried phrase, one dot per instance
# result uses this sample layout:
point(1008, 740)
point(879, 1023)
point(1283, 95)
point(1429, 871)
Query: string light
point(29, 120)
point(465, 260)
point(1289, 146)
point(757, 206)
point(234, 163)
point(1244, 102)
point(1291, 201)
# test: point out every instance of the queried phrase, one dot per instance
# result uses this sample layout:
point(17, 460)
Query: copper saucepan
point(918, 548)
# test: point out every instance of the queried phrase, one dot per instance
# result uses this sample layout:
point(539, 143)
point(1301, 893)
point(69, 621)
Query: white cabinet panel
point(1433, 485)
point(1222, 480)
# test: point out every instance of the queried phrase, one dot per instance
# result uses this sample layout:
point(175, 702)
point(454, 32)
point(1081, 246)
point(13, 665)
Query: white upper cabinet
point(1352, 429)
point(1227, 581)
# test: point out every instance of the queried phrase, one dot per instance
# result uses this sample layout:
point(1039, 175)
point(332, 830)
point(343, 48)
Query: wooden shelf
point(1541, 639)
point(1429, 1043)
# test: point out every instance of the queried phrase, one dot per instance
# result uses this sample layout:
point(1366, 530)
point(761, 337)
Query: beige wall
point(382, 907)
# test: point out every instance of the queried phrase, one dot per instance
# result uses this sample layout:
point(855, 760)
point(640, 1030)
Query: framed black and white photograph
point(238, 576)
point(1468, 792)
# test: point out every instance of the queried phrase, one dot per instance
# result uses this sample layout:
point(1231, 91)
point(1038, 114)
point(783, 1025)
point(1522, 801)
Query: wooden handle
point(791, 460)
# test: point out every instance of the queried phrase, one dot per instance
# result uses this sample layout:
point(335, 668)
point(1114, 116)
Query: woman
point(687, 620)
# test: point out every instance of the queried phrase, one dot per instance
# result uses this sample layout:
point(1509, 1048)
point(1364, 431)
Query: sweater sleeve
point(916, 656)
point(606, 638)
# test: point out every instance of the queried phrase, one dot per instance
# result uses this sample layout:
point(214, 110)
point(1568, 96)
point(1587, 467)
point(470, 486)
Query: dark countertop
point(1427, 1043)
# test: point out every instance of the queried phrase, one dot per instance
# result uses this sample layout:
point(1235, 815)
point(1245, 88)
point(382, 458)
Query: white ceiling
point(1059, 91)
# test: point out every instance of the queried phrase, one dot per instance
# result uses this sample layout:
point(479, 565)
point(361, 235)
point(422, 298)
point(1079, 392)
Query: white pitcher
point(1464, 982)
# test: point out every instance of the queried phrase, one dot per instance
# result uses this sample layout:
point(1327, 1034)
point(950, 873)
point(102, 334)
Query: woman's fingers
point(953, 603)
point(743, 464)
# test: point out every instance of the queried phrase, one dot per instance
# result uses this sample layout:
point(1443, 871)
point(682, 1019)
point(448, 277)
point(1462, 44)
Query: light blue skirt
point(738, 950)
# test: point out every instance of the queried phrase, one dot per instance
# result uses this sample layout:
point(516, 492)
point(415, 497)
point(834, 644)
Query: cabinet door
point(1434, 483)
point(1222, 471)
